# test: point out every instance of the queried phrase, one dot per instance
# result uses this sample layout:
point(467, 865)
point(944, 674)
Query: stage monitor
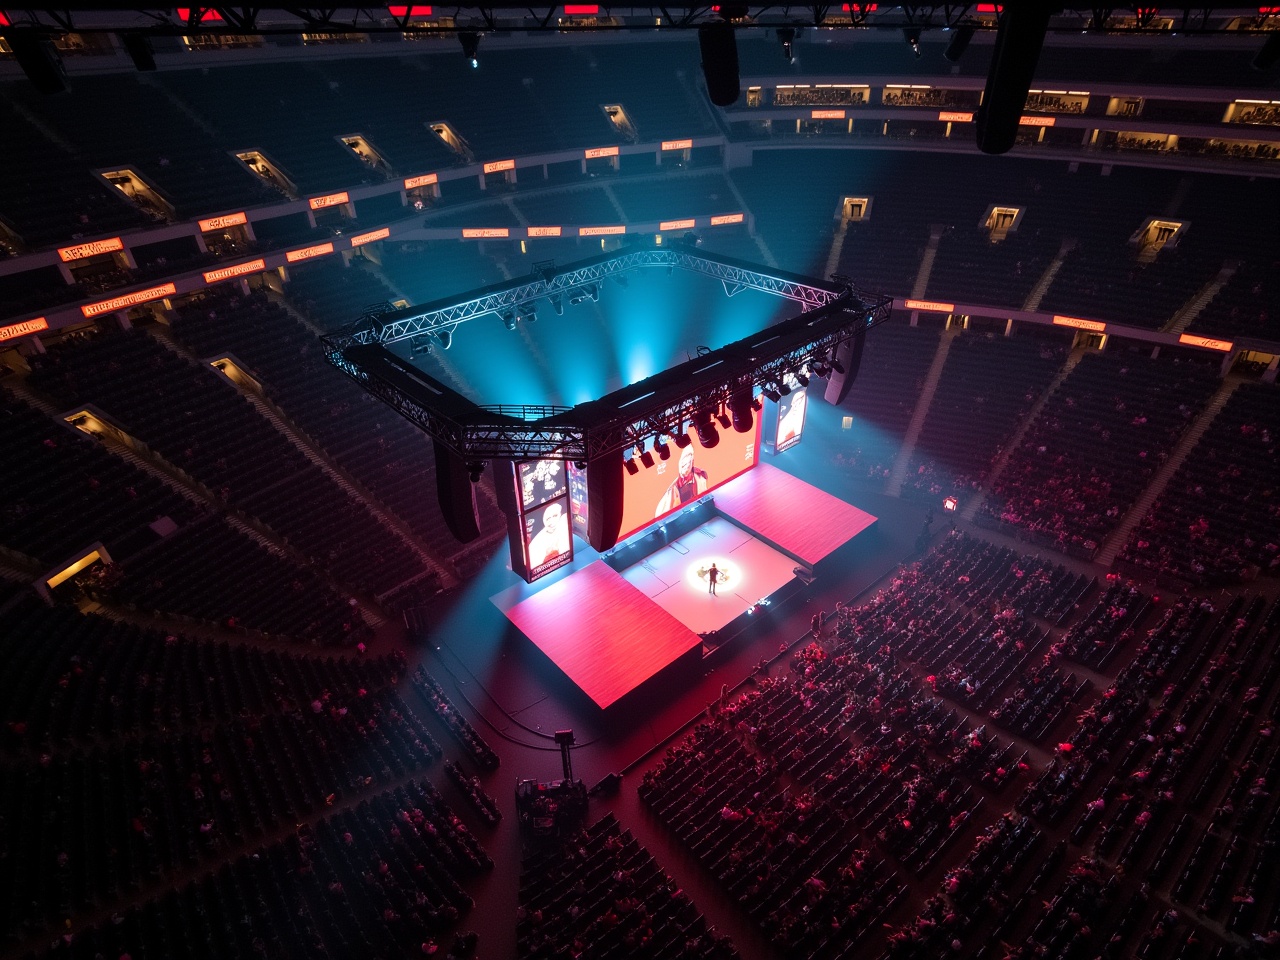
point(691, 471)
point(791, 413)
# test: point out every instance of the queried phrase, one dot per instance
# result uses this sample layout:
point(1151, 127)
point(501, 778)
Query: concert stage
point(611, 631)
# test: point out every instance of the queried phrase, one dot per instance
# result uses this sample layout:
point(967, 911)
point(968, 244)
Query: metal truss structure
point(99, 16)
point(667, 404)
point(513, 300)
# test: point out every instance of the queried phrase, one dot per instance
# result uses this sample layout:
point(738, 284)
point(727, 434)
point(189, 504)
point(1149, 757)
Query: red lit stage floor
point(675, 577)
point(609, 632)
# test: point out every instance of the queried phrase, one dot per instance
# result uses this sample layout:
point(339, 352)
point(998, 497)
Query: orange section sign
point(677, 144)
point(1097, 326)
point(827, 115)
point(426, 180)
point(239, 270)
point(726, 218)
point(485, 233)
point(1191, 340)
point(932, 306)
point(330, 200)
point(221, 223)
point(1037, 121)
point(306, 253)
point(22, 329)
point(955, 116)
point(362, 238)
point(128, 300)
point(676, 224)
point(90, 249)
point(595, 153)
point(497, 166)
point(545, 231)
point(601, 231)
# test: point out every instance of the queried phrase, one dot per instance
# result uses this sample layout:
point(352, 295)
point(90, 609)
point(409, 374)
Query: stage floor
point(675, 577)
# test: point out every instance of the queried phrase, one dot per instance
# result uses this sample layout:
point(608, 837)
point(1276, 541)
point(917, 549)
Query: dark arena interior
point(923, 601)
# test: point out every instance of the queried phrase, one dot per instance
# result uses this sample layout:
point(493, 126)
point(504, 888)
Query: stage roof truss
point(832, 313)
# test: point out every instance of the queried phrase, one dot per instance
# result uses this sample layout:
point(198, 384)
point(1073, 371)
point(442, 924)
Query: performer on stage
point(713, 575)
point(689, 485)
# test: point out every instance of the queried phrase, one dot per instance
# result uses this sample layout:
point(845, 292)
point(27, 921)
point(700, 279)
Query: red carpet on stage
point(606, 635)
point(806, 522)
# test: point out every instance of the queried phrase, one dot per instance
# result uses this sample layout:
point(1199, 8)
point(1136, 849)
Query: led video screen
point(654, 492)
point(547, 542)
point(540, 481)
point(578, 499)
point(791, 411)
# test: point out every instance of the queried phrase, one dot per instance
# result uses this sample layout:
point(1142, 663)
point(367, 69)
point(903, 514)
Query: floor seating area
point(1216, 522)
point(988, 386)
point(600, 894)
point(1095, 445)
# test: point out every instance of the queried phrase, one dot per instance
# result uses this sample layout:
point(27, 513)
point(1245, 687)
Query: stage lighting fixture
point(1269, 55)
point(802, 378)
point(836, 365)
point(39, 60)
point(720, 62)
point(476, 470)
point(725, 422)
point(632, 467)
point(783, 388)
point(772, 393)
point(912, 36)
point(704, 424)
point(557, 304)
point(527, 312)
point(683, 440)
point(821, 371)
point(508, 319)
point(741, 405)
point(787, 37)
point(579, 464)
point(959, 43)
point(646, 459)
point(663, 448)
point(445, 337)
point(470, 41)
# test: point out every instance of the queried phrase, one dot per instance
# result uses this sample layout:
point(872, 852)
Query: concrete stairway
point(1192, 308)
point(894, 487)
point(1042, 286)
point(1112, 546)
point(970, 509)
point(926, 262)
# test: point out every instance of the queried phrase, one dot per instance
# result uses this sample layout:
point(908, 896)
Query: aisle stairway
point(926, 262)
point(894, 487)
point(1042, 286)
point(1112, 546)
point(1193, 307)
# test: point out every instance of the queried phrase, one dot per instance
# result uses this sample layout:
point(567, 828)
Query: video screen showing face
point(547, 542)
point(690, 472)
point(540, 481)
point(578, 499)
point(791, 411)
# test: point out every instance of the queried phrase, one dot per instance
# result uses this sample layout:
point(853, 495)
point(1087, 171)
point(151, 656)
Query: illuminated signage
point(22, 329)
point(362, 238)
point(1095, 325)
point(595, 153)
point(426, 180)
point(931, 305)
point(1208, 343)
point(1037, 121)
point(239, 270)
point(827, 115)
point(406, 11)
point(725, 218)
point(306, 253)
point(544, 231)
point(581, 9)
point(791, 411)
point(676, 224)
point(484, 233)
point(221, 223)
point(677, 144)
point(128, 300)
point(955, 116)
point(90, 249)
point(497, 166)
point(330, 200)
point(601, 231)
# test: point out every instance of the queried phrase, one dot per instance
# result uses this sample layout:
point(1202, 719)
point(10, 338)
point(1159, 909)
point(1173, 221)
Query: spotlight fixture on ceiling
point(508, 318)
point(579, 464)
point(663, 448)
point(912, 36)
point(772, 393)
point(741, 406)
point(470, 41)
point(959, 42)
point(527, 312)
point(476, 470)
point(802, 378)
point(704, 424)
point(646, 459)
point(632, 467)
point(445, 337)
point(683, 440)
